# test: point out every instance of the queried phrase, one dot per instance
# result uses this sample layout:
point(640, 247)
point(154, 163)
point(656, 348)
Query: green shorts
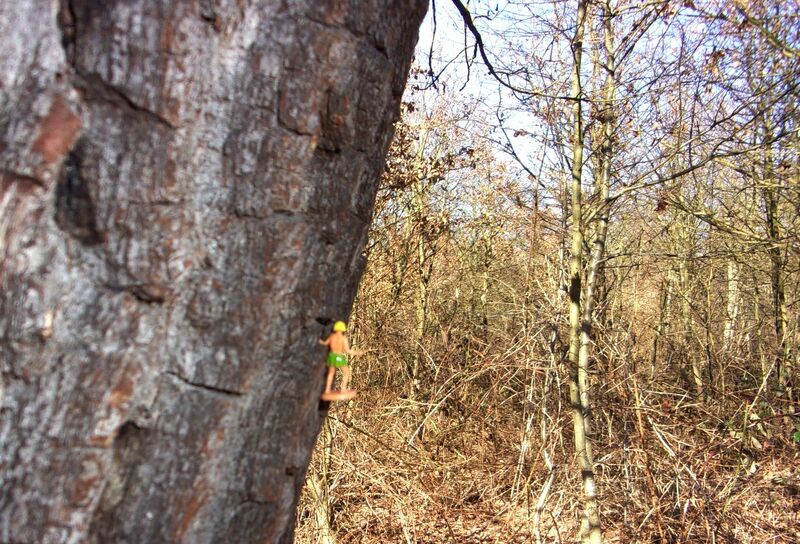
point(336, 360)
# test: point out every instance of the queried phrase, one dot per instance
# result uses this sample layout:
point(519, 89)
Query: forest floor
point(457, 478)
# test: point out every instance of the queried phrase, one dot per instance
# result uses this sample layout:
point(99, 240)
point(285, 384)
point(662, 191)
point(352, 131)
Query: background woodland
point(581, 296)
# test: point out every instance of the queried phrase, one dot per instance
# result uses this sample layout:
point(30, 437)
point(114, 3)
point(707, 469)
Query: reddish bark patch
point(207, 450)
point(22, 187)
point(57, 132)
point(170, 179)
point(191, 507)
point(85, 485)
point(122, 392)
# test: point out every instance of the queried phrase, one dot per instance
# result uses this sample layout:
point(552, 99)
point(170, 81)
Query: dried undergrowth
point(445, 465)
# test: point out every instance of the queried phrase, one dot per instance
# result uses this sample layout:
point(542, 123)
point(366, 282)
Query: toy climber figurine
point(339, 349)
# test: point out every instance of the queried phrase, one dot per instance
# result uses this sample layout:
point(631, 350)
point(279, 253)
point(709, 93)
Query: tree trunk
point(185, 189)
point(319, 485)
point(732, 313)
point(579, 379)
point(777, 263)
point(423, 270)
point(663, 324)
point(686, 278)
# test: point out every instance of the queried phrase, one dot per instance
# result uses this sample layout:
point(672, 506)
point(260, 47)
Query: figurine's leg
point(346, 377)
point(329, 381)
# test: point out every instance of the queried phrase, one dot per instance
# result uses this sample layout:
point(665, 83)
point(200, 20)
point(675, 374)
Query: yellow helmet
point(339, 326)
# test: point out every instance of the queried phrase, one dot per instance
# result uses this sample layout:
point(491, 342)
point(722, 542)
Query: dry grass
point(445, 467)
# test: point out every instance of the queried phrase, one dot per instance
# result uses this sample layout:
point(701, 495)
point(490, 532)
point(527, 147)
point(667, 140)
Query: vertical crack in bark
point(66, 23)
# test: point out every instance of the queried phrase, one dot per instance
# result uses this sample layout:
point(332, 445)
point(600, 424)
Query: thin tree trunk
point(185, 189)
point(686, 277)
point(602, 193)
point(319, 485)
point(590, 525)
point(757, 344)
point(424, 268)
point(663, 323)
point(733, 299)
point(708, 346)
point(769, 193)
point(777, 283)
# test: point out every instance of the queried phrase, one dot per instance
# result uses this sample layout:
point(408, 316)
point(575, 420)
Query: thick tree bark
point(185, 189)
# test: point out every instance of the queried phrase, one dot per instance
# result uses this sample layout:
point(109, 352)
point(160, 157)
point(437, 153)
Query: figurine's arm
point(349, 351)
point(325, 342)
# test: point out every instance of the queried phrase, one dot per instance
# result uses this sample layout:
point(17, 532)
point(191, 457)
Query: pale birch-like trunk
point(578, 387)
point(732, 306)
point(686, 278)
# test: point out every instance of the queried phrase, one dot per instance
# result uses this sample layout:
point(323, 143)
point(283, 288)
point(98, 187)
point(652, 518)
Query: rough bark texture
point(185, 189)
